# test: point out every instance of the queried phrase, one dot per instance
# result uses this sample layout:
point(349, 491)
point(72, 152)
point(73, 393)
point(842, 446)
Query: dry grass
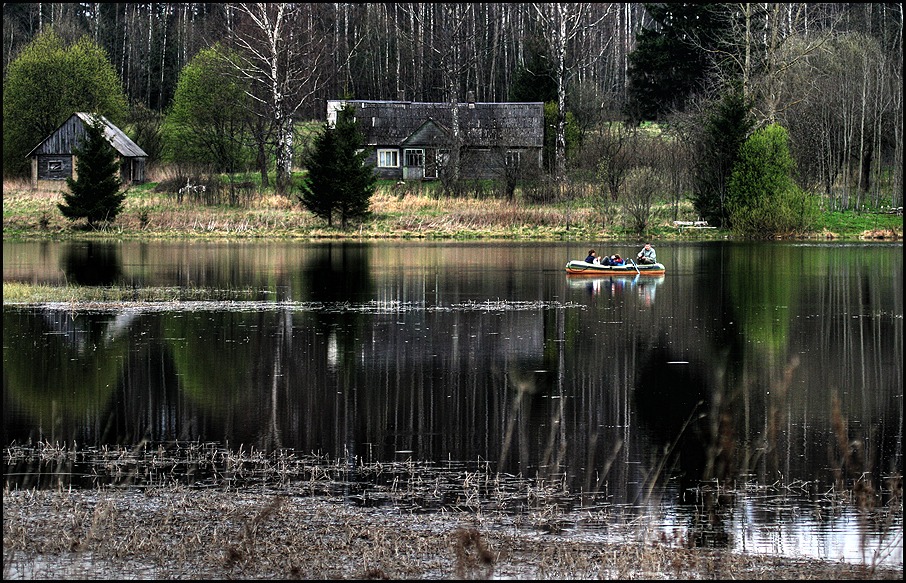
point(410, 210)
point(252, 515)
point(397, 212)
point(181, 533)
point(882, 234)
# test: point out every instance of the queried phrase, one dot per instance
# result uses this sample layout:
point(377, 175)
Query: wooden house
point(410, 140)
point(53, 158)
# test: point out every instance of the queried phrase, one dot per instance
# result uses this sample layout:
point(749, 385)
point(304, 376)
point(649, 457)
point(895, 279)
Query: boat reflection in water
point(616, 285)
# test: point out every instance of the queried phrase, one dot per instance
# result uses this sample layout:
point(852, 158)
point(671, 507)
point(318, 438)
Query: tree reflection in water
point(720, 381)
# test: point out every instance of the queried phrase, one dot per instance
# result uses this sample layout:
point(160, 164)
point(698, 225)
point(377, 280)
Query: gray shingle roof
point(390, 123)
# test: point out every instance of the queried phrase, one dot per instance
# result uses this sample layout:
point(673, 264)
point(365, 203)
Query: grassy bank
point(405, 212)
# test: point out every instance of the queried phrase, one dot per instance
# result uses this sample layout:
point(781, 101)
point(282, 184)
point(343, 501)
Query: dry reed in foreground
point(183, 533)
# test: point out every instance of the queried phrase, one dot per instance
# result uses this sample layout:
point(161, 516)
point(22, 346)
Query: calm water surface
point(774, 368)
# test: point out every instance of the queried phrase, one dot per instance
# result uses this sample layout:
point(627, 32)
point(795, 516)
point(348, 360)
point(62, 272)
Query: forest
point(641, 96)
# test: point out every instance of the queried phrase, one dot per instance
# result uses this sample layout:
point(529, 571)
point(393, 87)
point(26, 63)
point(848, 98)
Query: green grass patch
point(853, 222)
point(29, 293)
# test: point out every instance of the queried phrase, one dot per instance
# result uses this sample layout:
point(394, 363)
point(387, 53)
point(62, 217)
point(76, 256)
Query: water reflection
point(759, 364)
point(615, 286)
point(76, 376)
point(92, 263)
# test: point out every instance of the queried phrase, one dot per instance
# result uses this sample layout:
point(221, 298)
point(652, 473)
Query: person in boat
point(592, 257)
point(616, 260)
point(647, 256)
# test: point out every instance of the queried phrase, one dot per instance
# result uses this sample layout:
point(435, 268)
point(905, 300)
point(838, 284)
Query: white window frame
point(416, 155)
point(388, 158)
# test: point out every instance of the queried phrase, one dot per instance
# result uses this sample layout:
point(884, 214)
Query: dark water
point(774, 367)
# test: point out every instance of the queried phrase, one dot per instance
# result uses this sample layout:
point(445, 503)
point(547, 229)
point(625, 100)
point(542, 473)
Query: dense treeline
point(372, 50)
point(377, 50)
point(831, 73)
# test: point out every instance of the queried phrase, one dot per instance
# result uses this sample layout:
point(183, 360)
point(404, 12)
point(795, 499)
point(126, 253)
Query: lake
point(751, 398)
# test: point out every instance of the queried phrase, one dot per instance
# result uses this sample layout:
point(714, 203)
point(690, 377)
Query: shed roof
point(59, 144)
point(482, 124)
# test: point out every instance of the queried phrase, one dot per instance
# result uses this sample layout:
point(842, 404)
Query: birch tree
point(561, 22)
point(280, 52)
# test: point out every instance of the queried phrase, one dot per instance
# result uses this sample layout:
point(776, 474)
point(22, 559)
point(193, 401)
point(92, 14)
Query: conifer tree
point(725, 128)
point(94, 193)
point(339, 180)
point(358, 179)
point(320, 189)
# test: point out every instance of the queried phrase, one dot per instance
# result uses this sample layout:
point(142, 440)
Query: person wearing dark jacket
point(591, 256)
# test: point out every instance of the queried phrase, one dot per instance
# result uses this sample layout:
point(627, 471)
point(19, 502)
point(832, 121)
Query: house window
point(388, 159)
point(415, 158)
point(513, 158)
point(55, 165)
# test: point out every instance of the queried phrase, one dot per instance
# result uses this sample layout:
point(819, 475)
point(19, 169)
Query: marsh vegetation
point(197, 511)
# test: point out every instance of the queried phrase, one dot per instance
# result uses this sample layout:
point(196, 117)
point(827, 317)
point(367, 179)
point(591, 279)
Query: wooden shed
point(411, 140)
point(53, 158)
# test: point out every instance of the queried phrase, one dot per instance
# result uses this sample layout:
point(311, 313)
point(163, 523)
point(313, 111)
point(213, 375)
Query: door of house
point(413, 164)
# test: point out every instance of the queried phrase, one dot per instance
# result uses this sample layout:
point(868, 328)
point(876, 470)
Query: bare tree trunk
point(560, 49)
point(282, 53)
point(897, 96)
point(561, 24)
point(453, 99)
point(150, 28)
point(847, 150)
point(184, 44)
point(163, 55)
point(126, 67)
point(396, 48)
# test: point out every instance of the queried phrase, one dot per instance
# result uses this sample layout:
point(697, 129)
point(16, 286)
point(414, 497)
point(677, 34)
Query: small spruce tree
point(95, 193)
point(338, 180)
point(358, 179)
point(319, 190)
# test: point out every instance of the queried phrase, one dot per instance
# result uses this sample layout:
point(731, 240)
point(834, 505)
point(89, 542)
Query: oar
point(636, 267)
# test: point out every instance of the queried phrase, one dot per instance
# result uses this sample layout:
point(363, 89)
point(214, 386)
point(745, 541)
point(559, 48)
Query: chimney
point(401, 95)
point(470, 97)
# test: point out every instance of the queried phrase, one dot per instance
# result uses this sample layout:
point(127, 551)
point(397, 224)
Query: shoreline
point(482, 236)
